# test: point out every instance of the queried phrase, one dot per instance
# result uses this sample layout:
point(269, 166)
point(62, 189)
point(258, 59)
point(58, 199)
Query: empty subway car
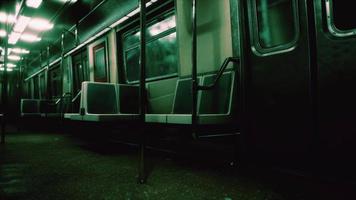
point(277, 73)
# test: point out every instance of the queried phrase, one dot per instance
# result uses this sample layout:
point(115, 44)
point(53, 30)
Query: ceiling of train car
point(55, 17)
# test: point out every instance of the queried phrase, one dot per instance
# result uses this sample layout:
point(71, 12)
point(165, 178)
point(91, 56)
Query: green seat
point(30, 107)
point(214, 106)
point(217, 100)
point(107, 102)
point(101, 98)
point(182, 103)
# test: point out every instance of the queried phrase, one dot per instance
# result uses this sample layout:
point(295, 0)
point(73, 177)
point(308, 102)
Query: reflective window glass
point(100, 71)
point(344, 19)
point(276, 22)
point(161, 50)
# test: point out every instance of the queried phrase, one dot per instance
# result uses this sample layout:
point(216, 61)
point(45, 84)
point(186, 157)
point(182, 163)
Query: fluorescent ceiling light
point(40, 24)
point(2, 33)
point(14, 37)
point(11, 19)
point(4, 18)
point(29, 38)
point(14, 57)
point(33, 3)
point(20, 51)
point(11, 65)
point(7, 69)
point(21, 24)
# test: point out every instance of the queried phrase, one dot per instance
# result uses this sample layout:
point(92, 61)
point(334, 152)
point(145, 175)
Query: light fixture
point(14, 57)
point(2, 33)
point(11, 65)
point(20, 51)
point(21, 24)
point(4, 18)
point(40, 24)
point(33, 3)
point(14, 37)
point(29, 38)
point(7, 69)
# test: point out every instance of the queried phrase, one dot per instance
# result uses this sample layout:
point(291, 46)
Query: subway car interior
point(177, 99)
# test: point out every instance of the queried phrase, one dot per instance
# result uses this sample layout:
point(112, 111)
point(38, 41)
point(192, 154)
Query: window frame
point(82, 56)
point(51, 79)
point(256, 46)
point(135, 29)
point(97, 47)
point(42, 85)
point(333, 30)
point(36, 87)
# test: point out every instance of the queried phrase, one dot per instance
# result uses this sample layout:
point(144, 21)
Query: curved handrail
point(220, 73)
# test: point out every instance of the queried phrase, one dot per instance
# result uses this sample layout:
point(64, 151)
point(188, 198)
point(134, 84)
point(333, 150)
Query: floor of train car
point(58, 165)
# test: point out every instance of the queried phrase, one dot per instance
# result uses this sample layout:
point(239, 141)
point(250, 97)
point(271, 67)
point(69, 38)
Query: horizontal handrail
point(220, 73)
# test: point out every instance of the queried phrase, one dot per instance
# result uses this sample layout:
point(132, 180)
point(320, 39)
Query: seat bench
point(30, 108)
point(214, 106)
point(107, 102)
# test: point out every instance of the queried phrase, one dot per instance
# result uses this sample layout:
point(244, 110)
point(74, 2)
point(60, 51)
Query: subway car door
point(336, 59)
point(277, 65)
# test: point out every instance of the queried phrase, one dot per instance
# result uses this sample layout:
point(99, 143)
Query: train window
point(161, 50)
point(340, 21)
point(79, 70)
point(36, 94)
point(30, 92)
point(277, 23)
point(100, 71)
point(55, 82)
point(42, 86)
point(27, 89)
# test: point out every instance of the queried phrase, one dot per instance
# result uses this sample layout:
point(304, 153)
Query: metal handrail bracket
point(219, 74)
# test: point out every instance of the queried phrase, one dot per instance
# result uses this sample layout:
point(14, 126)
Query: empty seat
point(30, 107)
point(182, 102)
point(160, 95)
point(55, 108)
point(214, 106)
point(99, 98)
point(107, 102)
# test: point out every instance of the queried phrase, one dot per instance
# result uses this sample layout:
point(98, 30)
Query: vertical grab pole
point(61, 105)
point(142, 169)
point(194, 67)
point(4, 90)
point(39, 80)
point(46, 75)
